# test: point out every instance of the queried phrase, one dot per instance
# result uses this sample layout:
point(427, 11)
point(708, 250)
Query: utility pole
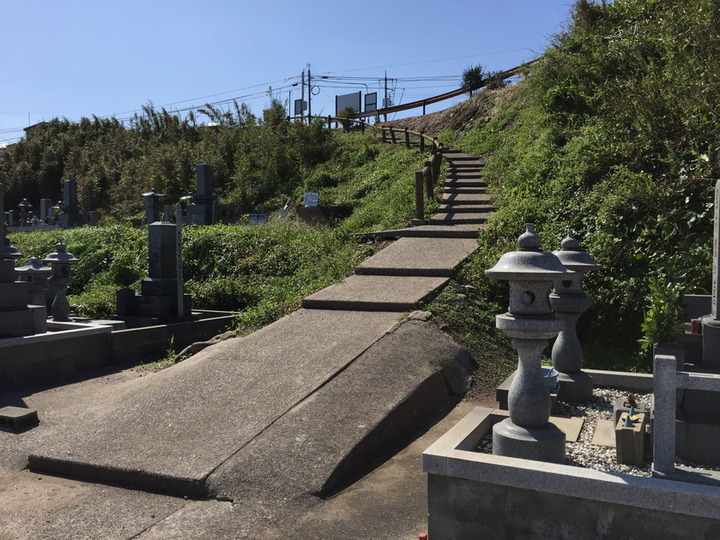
point(309, 96)
point(302, 95)
point(385, 101)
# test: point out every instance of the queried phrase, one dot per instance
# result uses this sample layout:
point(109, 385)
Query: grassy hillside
point(262, 272)
point(614, 134)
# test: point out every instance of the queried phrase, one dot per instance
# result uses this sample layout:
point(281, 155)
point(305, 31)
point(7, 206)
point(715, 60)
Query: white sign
point(311, 199)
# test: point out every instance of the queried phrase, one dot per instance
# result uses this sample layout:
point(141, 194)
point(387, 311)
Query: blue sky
point(75, 58)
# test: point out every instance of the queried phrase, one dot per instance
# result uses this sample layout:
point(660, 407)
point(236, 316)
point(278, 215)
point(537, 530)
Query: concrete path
point(268, 424)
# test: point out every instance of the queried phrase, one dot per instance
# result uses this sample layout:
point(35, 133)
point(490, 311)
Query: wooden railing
point(427, 178)
point(346, 123)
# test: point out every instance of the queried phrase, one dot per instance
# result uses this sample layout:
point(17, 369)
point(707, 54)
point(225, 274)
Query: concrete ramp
point(299, 407)
point(168, 431)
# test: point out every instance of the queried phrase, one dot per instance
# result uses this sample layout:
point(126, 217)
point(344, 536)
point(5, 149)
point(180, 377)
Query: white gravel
point(583, 453)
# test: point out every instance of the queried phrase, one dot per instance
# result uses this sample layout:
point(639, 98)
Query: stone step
point(459, 218)
point(376, 293)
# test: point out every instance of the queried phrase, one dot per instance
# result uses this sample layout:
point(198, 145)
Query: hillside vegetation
point(614, 134)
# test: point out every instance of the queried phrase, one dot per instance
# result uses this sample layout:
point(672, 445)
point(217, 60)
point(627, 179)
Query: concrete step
point(455, 189)
point(465, 182)
point(419, 257)
point(463, 164)
point(462, 198)
point(432, 231)
point(465, 208)
point(376, 293)
point(459, 218)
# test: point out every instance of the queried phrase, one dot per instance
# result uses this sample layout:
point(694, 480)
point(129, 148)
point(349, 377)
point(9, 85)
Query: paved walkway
point(265, 424)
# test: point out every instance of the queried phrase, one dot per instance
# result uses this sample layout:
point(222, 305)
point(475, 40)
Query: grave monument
point(161, 298)
point(204, 207)
point(17, 318)
point(70, 216)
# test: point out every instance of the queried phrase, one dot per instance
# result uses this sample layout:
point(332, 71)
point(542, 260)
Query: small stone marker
point(630, 439)
point(17, 418)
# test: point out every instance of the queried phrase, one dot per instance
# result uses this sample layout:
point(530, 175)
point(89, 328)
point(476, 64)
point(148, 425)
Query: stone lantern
point(25, 212)
point(569, 301)
point(529, 323)
point(9, 251)
point(36, 275)
point(60, 262)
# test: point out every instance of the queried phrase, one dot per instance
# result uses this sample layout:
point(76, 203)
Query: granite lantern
point(36, 275)
point(60, 262)
point(530, 323)
point(569, 301)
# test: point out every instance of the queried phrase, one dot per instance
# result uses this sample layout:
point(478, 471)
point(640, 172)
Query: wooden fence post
point(422, 141)
point(419, 198)
point(429, 181)
point(407, 138)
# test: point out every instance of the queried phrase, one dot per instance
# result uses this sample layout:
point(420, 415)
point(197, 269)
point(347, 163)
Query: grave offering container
point(530, 324)
point(569, 301)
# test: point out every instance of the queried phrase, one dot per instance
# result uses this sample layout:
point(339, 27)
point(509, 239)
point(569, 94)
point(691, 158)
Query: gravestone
point(46, 212)
point(204, 208)
point(16, 317)
point(711, 323)
point(158, 298)
point(70, 216)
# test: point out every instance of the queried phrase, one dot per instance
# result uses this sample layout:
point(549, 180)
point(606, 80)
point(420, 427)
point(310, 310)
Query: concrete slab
point(167, 431)
point(570, 425)
point(419, 257)
point(373, 408)
point(604, 434)
point(376, 293)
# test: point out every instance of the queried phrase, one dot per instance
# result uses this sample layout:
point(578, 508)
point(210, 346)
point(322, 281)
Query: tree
point(472, 79)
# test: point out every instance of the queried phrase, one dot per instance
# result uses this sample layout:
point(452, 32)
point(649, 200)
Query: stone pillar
point(711, 323)
point(70, 216)
point(153, 206)
point(46, 211)
point(569, 301)
point(530, 323)
point(206, 203)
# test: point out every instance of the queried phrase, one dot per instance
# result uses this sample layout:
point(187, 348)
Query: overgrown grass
point(615, 134)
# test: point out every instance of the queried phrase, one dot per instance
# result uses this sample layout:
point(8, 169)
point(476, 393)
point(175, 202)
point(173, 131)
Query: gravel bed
point(583, 453)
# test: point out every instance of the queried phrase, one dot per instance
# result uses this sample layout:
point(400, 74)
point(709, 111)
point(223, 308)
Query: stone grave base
point(477, 495)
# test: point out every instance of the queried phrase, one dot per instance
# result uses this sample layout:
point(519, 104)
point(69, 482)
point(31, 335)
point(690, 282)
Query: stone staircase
point(419, 263)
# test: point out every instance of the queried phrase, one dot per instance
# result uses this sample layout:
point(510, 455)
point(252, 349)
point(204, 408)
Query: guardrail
point(346, 123)
point(425, 180)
